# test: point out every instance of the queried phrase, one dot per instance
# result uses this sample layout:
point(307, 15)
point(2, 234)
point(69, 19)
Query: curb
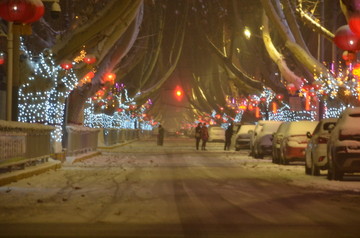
point(116, 145)
point(15, 176)
point(85, 157)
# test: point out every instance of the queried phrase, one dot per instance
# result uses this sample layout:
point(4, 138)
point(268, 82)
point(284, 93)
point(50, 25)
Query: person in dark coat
point(160, 136)
point(228, 135)
point(198, 135)
point(204, 136)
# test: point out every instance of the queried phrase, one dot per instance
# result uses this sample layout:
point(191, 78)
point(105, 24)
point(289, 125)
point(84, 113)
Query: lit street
point(145, 190)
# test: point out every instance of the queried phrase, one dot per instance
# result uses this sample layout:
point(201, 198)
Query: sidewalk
point(9, 177)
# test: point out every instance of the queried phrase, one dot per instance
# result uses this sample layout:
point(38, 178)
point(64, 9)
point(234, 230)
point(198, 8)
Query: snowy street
point(145, 190)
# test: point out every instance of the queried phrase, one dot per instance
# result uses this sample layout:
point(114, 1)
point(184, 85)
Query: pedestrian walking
point(160, 136)
point(204, 136)
point(198, 135)
point(228, 134)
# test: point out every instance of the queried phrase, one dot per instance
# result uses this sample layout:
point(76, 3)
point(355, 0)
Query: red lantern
point(89, 76)
point(280, 97)
point(345, 39)
point(90, 59)
point(349, 55)
point(354, 24)
point(38, 11)
point(250, 107)
point(263, 99)
point(66, 64)
point(21, 11)
point(291, 88)
point(109, 77)
point(2, 59)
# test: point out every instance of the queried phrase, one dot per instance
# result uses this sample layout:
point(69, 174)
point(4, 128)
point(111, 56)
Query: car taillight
point(322, 140)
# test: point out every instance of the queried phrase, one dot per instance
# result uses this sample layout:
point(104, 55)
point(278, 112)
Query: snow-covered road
point(144, 190)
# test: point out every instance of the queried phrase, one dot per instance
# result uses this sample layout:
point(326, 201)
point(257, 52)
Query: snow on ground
point(295, 174)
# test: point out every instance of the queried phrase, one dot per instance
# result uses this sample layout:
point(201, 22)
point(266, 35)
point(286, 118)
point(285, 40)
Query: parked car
point(254, 135)
point(343, 148)
point(292, 147)
point(257, 129)
point(277, 138)
point(242, 140)
point(263, 141)
point(216, 133)
point(315, 152)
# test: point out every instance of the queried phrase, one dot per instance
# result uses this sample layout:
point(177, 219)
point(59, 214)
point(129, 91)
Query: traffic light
point(179, 93)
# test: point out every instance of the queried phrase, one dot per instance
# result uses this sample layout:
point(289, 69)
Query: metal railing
point(81, 140)
point(12, 145)
point(24, 142)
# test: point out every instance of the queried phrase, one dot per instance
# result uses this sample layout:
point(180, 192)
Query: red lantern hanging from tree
point(21, 11)
point(109, 77)
point(346, 39)
point(2, 59)
point(66, 64)
point(354, 24)
point(291, 88)
point(89, 76)
point(349, 55)
point(38, 12)
point(280, 97)
point(89, 59)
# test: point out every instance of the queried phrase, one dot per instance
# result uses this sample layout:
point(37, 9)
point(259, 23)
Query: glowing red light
point(179, 94)
point(66, 64)
point(90, 59)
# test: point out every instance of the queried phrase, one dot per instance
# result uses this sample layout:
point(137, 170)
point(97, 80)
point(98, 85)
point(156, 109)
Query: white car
point(216, 133)
point(254, 135)
point(315, 152)
point(343, 148)
point(293, 145)
point(263, 141)
point(243, 137)
point(277, 138)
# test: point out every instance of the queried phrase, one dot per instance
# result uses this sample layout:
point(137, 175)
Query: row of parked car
point(330, 144)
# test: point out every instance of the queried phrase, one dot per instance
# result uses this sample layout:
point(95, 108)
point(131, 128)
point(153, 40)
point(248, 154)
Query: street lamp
point(247, 33)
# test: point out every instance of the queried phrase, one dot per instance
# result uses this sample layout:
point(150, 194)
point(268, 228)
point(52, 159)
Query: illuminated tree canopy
point(152, 46)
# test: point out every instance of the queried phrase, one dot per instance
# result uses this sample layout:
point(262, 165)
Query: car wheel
point(256, 153)
point(315, 171)
point(283, 159)
point(274, 160)
point(336, 173)
point(329, 173)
